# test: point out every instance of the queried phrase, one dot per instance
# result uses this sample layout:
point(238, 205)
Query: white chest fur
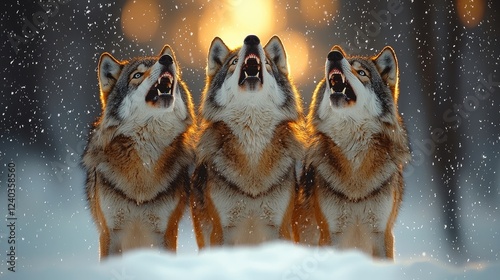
point(244, 219)
point(153, 136)
point(371, 213)
point(121, 213)
point(354, 137)
point(254, 129)
point(253, 120)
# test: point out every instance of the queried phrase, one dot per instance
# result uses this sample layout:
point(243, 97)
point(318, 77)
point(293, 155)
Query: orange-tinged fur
point(286, 231)
point(96, 211)
point(170, 236)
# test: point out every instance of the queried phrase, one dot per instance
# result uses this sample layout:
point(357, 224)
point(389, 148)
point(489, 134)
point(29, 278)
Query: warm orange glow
point(319, 12)
point(470, 12)
point(233, 20)
point(140, 19)
point(297, 51)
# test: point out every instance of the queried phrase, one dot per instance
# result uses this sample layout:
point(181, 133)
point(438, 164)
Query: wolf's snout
point(166, 60)
point(335, 56)
point(251, 40)
point(251, 68)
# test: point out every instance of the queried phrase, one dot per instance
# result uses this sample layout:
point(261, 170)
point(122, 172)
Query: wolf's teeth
point(343, 91)
point(159, 92)
point(343, 79)
point(159, 80)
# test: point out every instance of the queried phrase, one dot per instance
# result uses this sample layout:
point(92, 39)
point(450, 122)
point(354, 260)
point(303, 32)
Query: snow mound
point(276, 260)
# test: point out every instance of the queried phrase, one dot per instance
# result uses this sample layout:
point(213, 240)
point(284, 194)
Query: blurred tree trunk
point(438, 30)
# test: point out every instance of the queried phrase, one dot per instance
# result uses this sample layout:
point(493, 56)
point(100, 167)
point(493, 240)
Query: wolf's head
point(142, 88)
point(251, 75)
point(358, 87)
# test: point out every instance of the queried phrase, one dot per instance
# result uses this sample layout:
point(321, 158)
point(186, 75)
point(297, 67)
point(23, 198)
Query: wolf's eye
point(361, 73)
point(234, 61)
point(137, 75)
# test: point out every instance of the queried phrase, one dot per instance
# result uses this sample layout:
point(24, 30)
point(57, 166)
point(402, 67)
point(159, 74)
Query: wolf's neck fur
point(254, 127)
point(252, 117)
point(353, 136)
point(152, 136)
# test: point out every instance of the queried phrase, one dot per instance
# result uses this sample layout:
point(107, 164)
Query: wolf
point(140, 153)
point(250, 147)
point(352, 185)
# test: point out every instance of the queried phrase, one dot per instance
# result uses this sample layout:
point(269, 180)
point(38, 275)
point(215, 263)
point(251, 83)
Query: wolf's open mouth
point(162, 89)
point(251, 69)
point(339, 86)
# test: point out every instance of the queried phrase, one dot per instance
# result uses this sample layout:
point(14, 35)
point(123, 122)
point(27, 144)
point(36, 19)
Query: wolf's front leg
point(389, 244)
point(104, 243)
point(201, 223)
point(206, 222)
point(171, 233)
point(379, 246)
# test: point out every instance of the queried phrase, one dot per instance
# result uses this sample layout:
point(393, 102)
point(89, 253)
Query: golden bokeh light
point(233, 20)
point(319, 12)
point(140, 19)
point(470, 12)
point(297, 51)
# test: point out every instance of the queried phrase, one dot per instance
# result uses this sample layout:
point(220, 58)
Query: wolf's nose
point(166, 60)
point(335, 56)
point(252, 40)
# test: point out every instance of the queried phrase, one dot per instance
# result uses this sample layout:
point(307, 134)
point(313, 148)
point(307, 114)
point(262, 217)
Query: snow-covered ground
point(56, 239)
point(276, 260)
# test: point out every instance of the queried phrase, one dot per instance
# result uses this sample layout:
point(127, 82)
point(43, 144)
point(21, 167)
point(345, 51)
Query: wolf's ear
point(387, 66)
point(216, 55)
point(276, 52)
point(109, 71)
